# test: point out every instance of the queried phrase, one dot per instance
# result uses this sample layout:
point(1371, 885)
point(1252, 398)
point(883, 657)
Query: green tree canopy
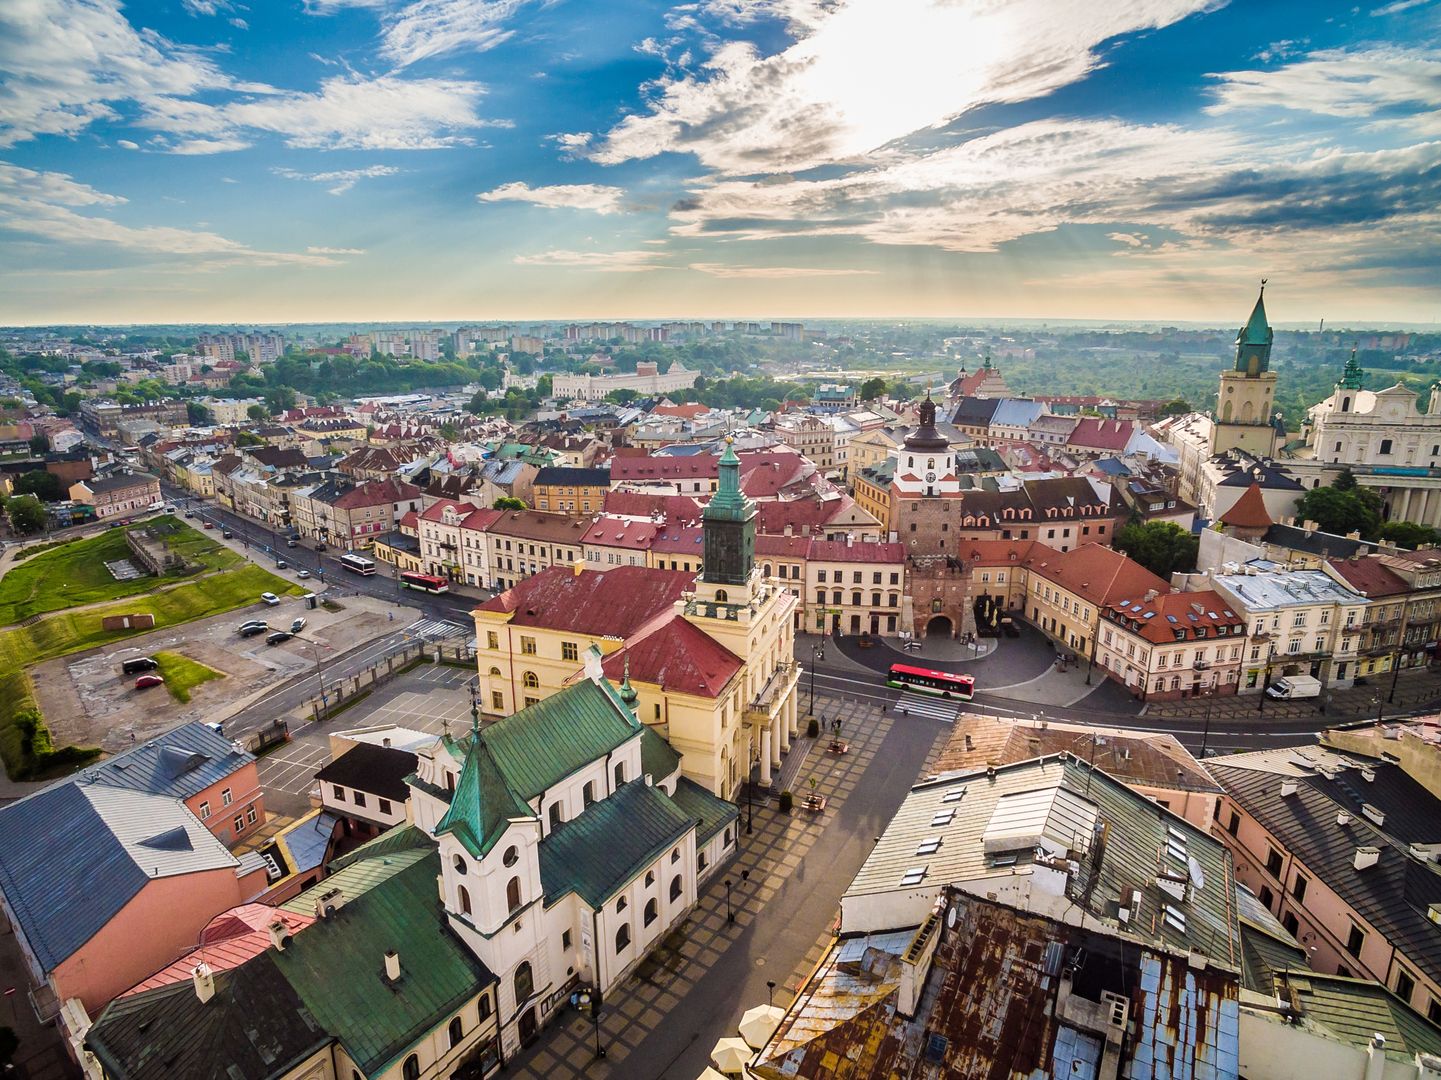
point(509, 502)
point(1342, 510)
point(197, 414)
point(40, 483)
point(873, 388)
point(1176, 407)
point(257, 412)
point(40, 444)
point(1159, 546)
point(1409, 534)
point(26, 513)
point(622, 397)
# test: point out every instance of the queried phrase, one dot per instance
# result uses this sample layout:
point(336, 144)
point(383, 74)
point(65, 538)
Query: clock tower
point(1246, 402)
point(923, 465)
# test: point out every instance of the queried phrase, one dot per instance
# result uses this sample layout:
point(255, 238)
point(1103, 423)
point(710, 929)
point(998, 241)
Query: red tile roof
point(785, 547)
point(377, 493)
point(1249, 511)
point(774, 516)
point(436, 510)
point(679, 540)
point(1096, 573)
point(538, 525)
point(610, 603)
point(679, 657)
point(685, 412)
point(228, 940)
point(863, 551)
point(1002, 552)
point(690, 467)
point(1369, 576)
point(1097, 433)
point(621, 532)
point(1162, 617)
point(644, 504)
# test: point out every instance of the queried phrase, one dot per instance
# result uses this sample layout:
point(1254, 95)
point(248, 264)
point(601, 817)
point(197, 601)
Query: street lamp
point(818, 653)
point(730, 911)
point(750, 802)
point(770, 992)
point(590, 998)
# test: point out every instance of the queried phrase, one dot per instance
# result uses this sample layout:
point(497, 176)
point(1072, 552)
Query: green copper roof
point(394, 841)
point(613, 841)
point(712, 812)
point(1257, 330)
point(729, 503)
point(358, 878)
point(658, 759)
point(337, 968)
point(1353, 378)
point(483, 804)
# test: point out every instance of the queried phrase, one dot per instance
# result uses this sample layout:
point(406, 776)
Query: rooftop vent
point(1288, 788)
point(1343, 818)
point(1374, 814)
point(1366, 857)
point(392, 965)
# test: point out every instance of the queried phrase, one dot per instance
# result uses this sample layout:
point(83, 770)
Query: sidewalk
point(1417, 690)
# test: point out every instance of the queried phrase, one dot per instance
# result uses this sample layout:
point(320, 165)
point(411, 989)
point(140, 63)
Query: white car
point(270, 598)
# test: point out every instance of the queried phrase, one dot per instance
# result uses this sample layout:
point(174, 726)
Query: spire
point(1352, 378)
point(627, 691)
point(1253, 343)
point(482, 804)
point(926, 439)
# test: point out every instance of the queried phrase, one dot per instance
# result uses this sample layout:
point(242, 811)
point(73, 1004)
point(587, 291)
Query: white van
point(1292, 687)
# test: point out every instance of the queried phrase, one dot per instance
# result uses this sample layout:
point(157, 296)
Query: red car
point(210, 524)
point(149, 680)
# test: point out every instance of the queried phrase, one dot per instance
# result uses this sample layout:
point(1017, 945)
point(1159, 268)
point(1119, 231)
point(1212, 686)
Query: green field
point(74, 574)
point(183, 674)
point(25, 745)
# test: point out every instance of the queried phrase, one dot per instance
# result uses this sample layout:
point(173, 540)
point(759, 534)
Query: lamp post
point(1206, 727)
point(730, 911)
point(818, 653)
point(590, 998)
point(770, 991)
point(750, 802)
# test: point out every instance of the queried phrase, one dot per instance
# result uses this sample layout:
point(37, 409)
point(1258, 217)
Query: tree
point(42, 484)
point(1408, 534)
point(1159, 546)
point(40, 444)
point(510, 502)
point(1176, 407)
point(198, 415)
point(1341, 510)
point(622, 397)
point(257, 412)
point(279, 400)
point(873, 388)
point(245, 438)
point(26, 514)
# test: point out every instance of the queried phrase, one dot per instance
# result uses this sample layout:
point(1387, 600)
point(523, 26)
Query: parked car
point(302, 574)
point(278, 637)
point(270, 598)
point(149, 680)
point(292, 542)
point(190, 513)
point(281, 564)
point(210, 524)
point(251, 629)
point(225, 533)
point(136, 664)
point(125, 521)
point(297, 625)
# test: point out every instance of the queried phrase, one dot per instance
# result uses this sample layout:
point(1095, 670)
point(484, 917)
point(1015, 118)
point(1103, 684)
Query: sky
point(485, 160)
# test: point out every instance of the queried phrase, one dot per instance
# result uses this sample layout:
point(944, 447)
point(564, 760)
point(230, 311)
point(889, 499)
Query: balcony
point(762, 707)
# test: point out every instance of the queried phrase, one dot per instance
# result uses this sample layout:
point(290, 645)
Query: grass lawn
point(75, 574)
point(183, 674)
point(25, 745)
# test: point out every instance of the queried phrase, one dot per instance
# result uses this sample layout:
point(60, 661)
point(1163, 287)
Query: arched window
point(767, 570)
point(459, 863)
point(411, 1069)
point(555, 815)
point(652, 911)
point(675, 887)
point(619, 773)
point(621, 904)
point(721, 596)
point(464, 898)
point(530, 680)
point(512, 894)
point(495, 673)
point(456, 1031)
point(622, 938)
point(524, 983)
point(483, 1007)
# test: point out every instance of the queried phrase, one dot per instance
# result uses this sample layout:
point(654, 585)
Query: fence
point(350, 688)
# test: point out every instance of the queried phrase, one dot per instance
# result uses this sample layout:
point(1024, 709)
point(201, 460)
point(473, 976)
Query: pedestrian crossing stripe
point(913, 704)
point(435, 629)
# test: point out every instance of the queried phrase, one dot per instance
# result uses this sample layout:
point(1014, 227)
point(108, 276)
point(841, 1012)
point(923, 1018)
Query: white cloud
point(49, 205)
point(728, 270)
point(870, 72)
point(126, 144)
point(597, 197)
point(205, 7)
point(335, 251)
point(430, 28)
point(194, 147)
point(622, 262)
point(1398, 7)
point(239, 23)
point(1130, 240)
point(340, 180)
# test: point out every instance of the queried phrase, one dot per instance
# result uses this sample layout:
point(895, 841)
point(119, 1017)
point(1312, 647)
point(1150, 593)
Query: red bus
point(925, 681)
point(424, 582)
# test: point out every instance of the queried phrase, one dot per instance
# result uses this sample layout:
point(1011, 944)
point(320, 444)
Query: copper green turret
point(1352, 378)
point(1253, 343)
point(729, 526)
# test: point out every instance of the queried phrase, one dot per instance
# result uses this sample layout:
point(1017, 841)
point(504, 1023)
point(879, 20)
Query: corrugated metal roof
point(358, 878)
point(1355, 1009)
point(712, 812)
point(596, 853)
point(181, 763)
point(161, 836)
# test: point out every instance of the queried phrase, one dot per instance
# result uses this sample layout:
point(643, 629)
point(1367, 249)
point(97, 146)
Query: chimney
point(1288, 788)
point(1376, 1057)
point(204, 980)
point(392, 965)
point(1342, 818)
point(278, 935)
point(1366, 857)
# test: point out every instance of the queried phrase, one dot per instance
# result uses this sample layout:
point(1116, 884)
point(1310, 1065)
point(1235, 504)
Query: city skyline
point(443, 160)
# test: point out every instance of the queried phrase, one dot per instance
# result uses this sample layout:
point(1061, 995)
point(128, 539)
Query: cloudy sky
point(299, 160)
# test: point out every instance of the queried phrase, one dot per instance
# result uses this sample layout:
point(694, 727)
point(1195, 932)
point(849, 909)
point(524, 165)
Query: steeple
point(1352, 378)
point(627, 691)
point(728, 523)
point(1253, 343)
point(483, 802)
point(926, 439)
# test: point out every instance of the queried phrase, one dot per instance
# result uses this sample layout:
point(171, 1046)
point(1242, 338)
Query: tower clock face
point(930, 478)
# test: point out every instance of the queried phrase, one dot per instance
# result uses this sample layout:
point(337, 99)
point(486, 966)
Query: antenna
point(1193, 869)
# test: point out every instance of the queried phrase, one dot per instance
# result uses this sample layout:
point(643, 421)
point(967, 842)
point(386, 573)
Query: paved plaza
point(708, 971)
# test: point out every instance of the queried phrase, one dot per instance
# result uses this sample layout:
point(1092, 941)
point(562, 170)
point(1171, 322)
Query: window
point(512, 894)
point(652, 911)
point(1298, 888)
point(225, 797)
point(675, 887)
point(204, 810)
point(1234, 825)
point(569, 651)
point(339, 792)
point(527, 646)
point(457, 861)
point(1273, 862)
point(250, 815)
point(821, 576)
point(1266, 896)
point(463, 900)
point(619, 773)
point(565, 939)
point(239, 823)
point(622, 938)
point(497, 701)
point(1355, 940)
point(674, 856)
point(649, 878)
point(621, 904)
point(587, 793)
point(384, 805)
point(360, 798)
point(556, 818)
point(1405, 985)
point(1288, 920)
point(524, 983)
point(1385, 446)
point(1433, 1011)
point(411, 1069)
point(492, 639)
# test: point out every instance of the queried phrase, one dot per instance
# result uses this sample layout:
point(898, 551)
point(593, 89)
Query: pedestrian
point(390, 616)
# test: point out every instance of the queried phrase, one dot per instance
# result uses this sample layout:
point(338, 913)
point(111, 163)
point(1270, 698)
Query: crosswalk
point(436, 629)
point(913, 704)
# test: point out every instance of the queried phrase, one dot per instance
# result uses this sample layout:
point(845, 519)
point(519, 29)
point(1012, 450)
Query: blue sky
point(222, 160)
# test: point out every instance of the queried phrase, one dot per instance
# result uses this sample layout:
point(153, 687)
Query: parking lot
point(431, 698)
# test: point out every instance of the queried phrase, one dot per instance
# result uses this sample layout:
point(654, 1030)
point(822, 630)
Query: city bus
point(925, 681)
point(357, 563)
point(424, 582)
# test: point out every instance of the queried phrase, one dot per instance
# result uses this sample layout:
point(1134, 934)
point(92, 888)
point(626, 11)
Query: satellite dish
point(1198, 880)
point(951, 919)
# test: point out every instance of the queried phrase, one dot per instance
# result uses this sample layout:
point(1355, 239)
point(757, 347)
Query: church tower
point(1246, 402)
point(729, 525)
point(923, 463)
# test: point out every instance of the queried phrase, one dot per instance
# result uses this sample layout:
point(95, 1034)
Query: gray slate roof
point(181, 762)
